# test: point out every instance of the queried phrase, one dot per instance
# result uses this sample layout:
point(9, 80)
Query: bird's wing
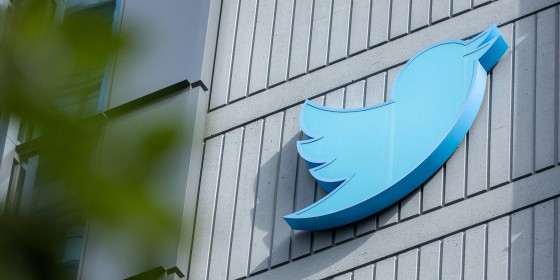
point(346, 146)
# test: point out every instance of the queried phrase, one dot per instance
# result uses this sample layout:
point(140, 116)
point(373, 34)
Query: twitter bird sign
point(370, 158)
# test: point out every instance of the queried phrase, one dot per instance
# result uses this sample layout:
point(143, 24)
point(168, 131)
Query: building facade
point(491, 212)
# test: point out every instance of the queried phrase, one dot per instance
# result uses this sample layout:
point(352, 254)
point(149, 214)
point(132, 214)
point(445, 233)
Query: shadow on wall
point(273, 240)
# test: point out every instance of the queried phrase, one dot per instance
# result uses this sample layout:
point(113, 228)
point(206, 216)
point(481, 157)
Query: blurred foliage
point(42, 64)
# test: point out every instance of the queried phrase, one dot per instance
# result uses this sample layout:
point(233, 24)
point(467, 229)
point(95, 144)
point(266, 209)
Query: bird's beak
point(487, 47)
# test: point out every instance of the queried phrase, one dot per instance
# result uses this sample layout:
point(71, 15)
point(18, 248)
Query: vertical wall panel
point(224, 54)
point(281, 42)
point(432, 191)
point(399, 17)
point(286, 187)
point(388, 216)
point(245, 203)
point(430, 261)
point(408, 265)
point(386, 269)
point(375, 89)
point(477, 164)
point(355, 95)
point(322, 238)
point(498, 248)
point(500, 123)
point(205, 208)
point(455, 174)
point(261, 243)
point(451, 260)
point(521, 245)
point(262, 45)
point(546, 91)
point(379, 23)
point(524, 97)
point(340, 27)
point(543, 241)
point(301, 243)
point(300, 37)
point(243, 50)
point(359, 26)
point(364, 273)
point(460, 6)
point(440, 9)
point(227, 190)
point(419, 14)
point(475, 253)
point(366, 225)
point(410, 205)
point(320, 34)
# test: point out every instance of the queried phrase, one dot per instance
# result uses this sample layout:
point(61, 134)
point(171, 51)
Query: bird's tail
point(488, 47)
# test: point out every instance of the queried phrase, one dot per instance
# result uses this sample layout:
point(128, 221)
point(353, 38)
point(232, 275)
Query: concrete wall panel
point(281, 42)
point(300, 38)
point(224, 54)
point(340, 29)
point(512, 137)
point(524, 97)
point(242, 52)
point(258, 79)
point(399, 18)
point(359, 26)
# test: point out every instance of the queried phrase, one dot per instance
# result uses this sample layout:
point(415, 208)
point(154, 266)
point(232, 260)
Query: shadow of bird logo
point(370, 158)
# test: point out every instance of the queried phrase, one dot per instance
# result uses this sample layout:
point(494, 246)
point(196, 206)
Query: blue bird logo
point(369, 158)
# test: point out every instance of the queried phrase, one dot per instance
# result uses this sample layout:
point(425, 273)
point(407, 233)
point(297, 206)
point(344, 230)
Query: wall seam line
point(534, 85)
point(310, 37)
point(508, 271)
point(489, 130)
point(327, 63)
point(272, 32)
point(349, 28)
point(287, 74)
point(485, 263)
point(511, 102)
point(557, 88)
